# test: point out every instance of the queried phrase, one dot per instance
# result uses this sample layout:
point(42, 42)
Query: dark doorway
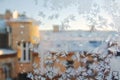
point(7, 69)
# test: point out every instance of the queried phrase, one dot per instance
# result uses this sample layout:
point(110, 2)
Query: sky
point(69, 13)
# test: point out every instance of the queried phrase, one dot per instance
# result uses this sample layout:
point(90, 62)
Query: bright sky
point(51, 12)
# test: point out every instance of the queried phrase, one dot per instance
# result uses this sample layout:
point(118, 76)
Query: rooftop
point(20, 19)
point(91, 42)
point(76, 35)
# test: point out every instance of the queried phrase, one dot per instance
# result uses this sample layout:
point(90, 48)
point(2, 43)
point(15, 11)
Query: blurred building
point(17, 34)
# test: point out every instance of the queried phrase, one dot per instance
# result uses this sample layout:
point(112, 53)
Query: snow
point(21, 19)
point(115, 64)
point(7, 51)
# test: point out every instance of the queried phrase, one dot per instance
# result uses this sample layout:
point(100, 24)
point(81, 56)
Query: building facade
point(17, 33)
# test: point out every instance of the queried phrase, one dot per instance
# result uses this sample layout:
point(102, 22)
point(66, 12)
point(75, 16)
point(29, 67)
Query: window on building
point(7, 67)
point(95, 43)
point(24, 52)
point(24, 55)
point(24, 44)
point(22, 26)
point(3, 40)
point(29, 56)
point(8, 29)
